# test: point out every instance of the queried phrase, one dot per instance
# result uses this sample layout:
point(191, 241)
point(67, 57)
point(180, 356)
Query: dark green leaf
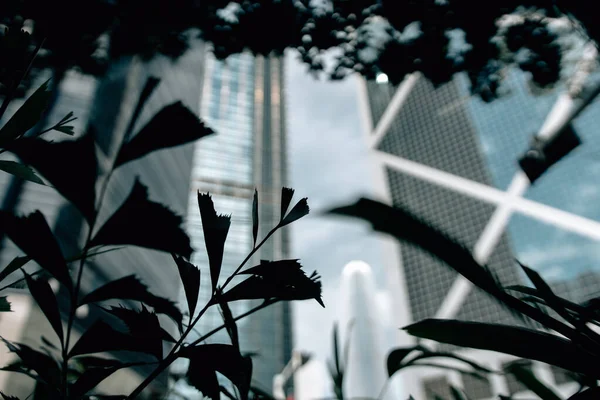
point(4, 304)
point(6, 397)
point(151, 84)
point(130, 288)
point(255, 216)
point(143, 325)
point(92, 376)
point(33, 235)
point(286, 199)
point(225, 359)
point(520, 342)
point(172, 126)
point(531, 382)
point(300, 210)
point(70, 166)
point(190, 278)
point(141, 222)
point(27, 116)
point(396, 357)
point(230, 324)
point(215, 229)
point(20, 171)
point(101, 337)
point(45, 366)
point(589, 394)
point(13, 266)
point(46, 300)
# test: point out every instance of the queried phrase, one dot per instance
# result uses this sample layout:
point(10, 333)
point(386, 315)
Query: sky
point(329, 164)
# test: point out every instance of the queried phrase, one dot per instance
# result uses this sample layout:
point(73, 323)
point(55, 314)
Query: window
point(437, 388)
point(477, 388)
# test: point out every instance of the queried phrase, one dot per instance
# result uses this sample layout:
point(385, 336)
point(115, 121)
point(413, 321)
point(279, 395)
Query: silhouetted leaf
point(427, 354)
point(6, 397)
point(4, 304)
point(48, 342)
point(300, 210)
point(93, 375)
point(27, 116)
point(143, 325)
point(336, 351)
point(44, 249)
point(45, 366)
point(141, 222)
point(589, 394)
point(70, 166)
point(20, 171)
point(255, 216)
point(151, 84)
point(520, 342)
point(396, 357)
point(174, 125)
point(230, 324)
point(286, 199)
point(190, 277)
point(215, 229)
point(101, 337)
point(46, 300)
point(13, 266)
point(282, 280)
point(457, 394)
point(531, 382)
point(225, 359)
point(130, 288)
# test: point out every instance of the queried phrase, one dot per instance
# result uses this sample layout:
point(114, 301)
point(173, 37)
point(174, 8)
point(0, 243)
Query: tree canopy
point(435, 37)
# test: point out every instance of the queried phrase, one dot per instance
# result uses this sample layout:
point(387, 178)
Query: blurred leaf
point(13, 266)
point(230, 324)
point(174, 125)
point(143, 325)
point(531, 382)
point(46, 367)
point(48, 342)
point(426, 354)
point(33, 235)
point(457, 394)
point(286, 199)
point(130, 288)
point(20, 171)
point(4, 304)
point(460, 370)
point(70, 166)
point(225, 359)
point(190, 278)
point(215, 229)
point(300, 210)
point(255, 216)
point(520, 342)
point(44, 296)
point(141, 222)
point(336, 351)
point(281, 280)
point(260, 393)
point(589, 394)
point(27, 116)
point(395, 358)
point(101, 337)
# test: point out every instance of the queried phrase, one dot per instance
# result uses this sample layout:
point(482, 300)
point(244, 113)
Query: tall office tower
point(166, 173)
point(449, 158)
point(243, 102)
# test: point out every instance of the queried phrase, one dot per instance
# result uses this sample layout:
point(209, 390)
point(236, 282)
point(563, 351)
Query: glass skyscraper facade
point(436, 148)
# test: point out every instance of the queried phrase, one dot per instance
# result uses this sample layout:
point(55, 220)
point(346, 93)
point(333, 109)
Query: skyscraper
point(449, 158)
point(243, 101)
point(166, 173)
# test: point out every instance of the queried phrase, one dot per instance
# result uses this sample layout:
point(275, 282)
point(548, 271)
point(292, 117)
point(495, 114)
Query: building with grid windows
point(452, 160)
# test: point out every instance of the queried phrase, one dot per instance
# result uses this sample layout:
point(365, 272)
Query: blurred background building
point(449, 158)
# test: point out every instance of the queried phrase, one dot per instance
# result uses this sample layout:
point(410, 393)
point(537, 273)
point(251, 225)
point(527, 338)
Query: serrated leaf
point(13, 266)
point(174, 125)
point(27, 116)
point(6, 397)
point(190, 278)
point(531, 382)
point(230, 324)
point(4, 304)
point(20, 171)
point(33, 235)
point(225, 359)
point(215, 229)
point(144, 223)
point(286, 199)
point(130, 288)
point(101, 337)
point(255, 216)
point(520, 342)
point(300, 210)
point(151, 84)
point(143, 325)
point(46, 300)
point(70, 166)
point(45, 366)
